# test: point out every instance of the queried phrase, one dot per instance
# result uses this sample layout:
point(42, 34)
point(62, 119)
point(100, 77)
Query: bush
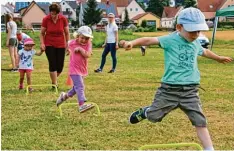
point(126, 32)
point(146, 29)
point(227, 27)
point(140, 29)
point(144, 24)
point(223, 24)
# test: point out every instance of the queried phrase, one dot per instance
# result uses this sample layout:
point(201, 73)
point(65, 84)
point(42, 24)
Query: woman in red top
point(54, 37)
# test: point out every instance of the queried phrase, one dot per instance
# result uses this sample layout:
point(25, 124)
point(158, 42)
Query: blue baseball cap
point(192, 19)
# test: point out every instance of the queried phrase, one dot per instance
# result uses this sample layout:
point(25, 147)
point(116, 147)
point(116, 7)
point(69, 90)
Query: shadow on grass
point(5, 69)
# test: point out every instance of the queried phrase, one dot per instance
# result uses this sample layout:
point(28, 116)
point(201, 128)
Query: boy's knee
point(154, 116)
point(201, 122)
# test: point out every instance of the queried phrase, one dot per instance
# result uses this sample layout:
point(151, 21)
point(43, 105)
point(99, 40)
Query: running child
point(26, 62)
point(80, 50)
point(180, 83)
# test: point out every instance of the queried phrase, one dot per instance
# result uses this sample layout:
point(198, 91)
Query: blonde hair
point(76, 34)
point(112, 15)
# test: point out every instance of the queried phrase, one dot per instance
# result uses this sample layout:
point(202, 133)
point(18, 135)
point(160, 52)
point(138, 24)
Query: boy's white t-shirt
point(13, 26)
point(26, 59)
point(110, 30)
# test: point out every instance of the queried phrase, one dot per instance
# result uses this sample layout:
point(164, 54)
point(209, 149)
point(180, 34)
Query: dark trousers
point(55, 58)
point(110, 47)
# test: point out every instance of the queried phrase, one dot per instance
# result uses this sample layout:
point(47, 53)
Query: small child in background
point(80, 50)
point(143, 48)
point(21, 37)
point(26, 61)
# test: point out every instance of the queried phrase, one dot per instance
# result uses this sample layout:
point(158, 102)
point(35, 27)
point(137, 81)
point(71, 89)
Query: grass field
point(29, 122)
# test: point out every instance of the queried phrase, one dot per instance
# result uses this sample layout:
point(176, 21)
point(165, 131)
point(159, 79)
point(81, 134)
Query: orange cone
point(69, 81)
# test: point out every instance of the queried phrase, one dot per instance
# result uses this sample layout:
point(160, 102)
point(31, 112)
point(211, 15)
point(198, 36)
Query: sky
point(5, 1)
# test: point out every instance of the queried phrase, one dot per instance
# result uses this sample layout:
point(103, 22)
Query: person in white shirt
point(12, 41)
point(21, 37)
point(111, 44)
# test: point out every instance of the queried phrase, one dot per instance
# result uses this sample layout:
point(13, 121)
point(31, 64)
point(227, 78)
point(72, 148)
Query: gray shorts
point(170, 97)
point(13, 42)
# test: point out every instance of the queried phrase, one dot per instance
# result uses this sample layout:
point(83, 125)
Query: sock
point(21, 85)
point(81, 103)
point(146, 112)
point(209, 148)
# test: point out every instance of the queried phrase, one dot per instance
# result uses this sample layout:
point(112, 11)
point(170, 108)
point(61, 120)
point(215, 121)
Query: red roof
point(143, 14)
point(210, 5)
point(170, 12)
point(119, 3)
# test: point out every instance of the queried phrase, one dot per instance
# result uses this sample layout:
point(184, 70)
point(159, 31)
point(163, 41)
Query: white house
point(69, 9)
point(133, 10)
point(169, 16)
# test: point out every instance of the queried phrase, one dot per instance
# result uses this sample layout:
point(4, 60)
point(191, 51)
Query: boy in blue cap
point(180, 83)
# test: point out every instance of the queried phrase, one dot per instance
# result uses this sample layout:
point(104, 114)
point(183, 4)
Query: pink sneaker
point(61, 99)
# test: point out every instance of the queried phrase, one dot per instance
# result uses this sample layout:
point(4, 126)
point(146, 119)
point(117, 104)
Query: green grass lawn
point(28, 122)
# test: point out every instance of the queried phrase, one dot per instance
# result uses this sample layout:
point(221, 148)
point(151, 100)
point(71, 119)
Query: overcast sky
point(5, 1)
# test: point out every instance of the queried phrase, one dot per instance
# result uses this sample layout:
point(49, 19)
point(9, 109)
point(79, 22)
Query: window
point(130, 9)
point(151, 22)
point(63, 3)
point(136, 9)
point(67, 9)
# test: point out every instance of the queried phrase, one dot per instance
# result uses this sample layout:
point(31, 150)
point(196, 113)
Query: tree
point(92, 14)
point(76, 23)
point(143, 23)
point(126, 18)
point(141, 5)
point(156, 6)
point(189, 3)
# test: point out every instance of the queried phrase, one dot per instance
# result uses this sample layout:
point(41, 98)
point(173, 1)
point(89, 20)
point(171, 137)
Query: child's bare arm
point(211, 55)
point(144, 41)
point(84, 53)
point(39, 53)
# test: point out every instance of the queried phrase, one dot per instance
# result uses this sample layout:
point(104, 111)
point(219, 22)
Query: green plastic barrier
point(157, 146)
point(71, 104)
point(41, 85)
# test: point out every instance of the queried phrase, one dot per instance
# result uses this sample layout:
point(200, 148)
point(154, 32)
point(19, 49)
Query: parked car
point(3, 27)
point(203, 40)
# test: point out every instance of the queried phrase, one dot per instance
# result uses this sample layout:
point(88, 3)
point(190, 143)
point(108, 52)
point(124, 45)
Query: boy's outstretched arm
point(144, 41)
point(211, 55)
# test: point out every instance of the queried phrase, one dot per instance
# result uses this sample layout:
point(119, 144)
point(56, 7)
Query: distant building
point(68, 9)
point(150, 18)
point(169, 16)
point(210, 7)
point(24, 3)
point(133, 10)
point(33, 14)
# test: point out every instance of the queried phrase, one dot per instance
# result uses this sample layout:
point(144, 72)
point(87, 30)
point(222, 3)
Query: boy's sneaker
point(111, 71)
point(138, 116)
point(98, 70)
point(85, 107)
point(61, 99)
